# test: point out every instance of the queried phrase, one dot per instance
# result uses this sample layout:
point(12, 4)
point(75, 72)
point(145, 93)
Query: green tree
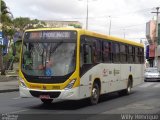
point(7, 29)
point(75, 25)
point(23, 23)
point(20, 25)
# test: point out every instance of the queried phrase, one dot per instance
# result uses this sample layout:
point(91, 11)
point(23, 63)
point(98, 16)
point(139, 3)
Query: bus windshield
point(48, 58)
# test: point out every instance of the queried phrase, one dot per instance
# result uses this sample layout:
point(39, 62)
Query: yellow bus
point(73, 64)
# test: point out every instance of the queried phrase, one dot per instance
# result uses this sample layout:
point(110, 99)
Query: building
point(151, 31)
point(154, 46)
point(55, 24)
point(151, 37)
point(158, 46)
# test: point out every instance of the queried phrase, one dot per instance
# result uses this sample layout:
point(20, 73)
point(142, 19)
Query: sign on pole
point(1, 39)
point(5, 43)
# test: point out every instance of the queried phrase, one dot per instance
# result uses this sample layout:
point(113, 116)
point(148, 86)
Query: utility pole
point(156, 39)
point(87, 13)
point(109, 25)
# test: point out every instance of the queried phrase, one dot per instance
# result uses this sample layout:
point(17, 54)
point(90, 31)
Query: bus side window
point(136, 54)
point(87, 54)
point(96, 49)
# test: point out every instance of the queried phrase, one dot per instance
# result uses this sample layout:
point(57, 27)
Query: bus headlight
point(70, 85)
point(22, 83)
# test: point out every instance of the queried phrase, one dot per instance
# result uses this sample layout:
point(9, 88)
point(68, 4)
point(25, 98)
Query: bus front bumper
point(71, 94)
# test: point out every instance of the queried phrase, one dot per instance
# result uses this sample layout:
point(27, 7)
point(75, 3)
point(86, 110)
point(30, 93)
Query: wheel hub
point(94, 93)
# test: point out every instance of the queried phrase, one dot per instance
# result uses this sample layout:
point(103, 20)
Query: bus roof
point(112, 38)
point(91, 33)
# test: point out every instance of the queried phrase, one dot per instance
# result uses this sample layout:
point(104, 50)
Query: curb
point(9, 90)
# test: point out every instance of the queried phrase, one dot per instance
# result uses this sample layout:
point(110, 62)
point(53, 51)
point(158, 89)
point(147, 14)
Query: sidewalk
point(8, 83)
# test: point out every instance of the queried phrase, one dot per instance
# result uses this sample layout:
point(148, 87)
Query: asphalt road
point(145, 99)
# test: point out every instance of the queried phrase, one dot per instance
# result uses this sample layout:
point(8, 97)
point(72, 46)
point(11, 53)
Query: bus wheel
point(129, 87)
point(127, 91)
point(47, 101)
point(95, 94)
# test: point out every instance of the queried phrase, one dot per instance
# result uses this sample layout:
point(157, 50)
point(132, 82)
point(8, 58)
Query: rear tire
point(95, 93)
point(127, 91)
point(47, 101)
point(129, 87)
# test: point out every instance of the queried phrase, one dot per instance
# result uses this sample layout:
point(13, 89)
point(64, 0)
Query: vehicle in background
point(151, 74)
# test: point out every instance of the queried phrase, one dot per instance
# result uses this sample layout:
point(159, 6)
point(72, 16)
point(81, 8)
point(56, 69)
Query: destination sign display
point(39, 35)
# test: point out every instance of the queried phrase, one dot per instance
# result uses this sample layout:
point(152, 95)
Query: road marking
point(18, 111)
point(156, 86)
point(16, 98)
point(146, 85)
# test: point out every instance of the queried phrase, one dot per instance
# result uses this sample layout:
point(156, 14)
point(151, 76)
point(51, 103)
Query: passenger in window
point(48, 69)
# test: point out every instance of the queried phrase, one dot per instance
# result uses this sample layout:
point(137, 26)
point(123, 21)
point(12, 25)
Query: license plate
point(44, 97)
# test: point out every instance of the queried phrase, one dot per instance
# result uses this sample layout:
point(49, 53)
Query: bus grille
point(51, 94)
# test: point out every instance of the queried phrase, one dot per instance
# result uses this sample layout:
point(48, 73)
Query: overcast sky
point(128, 17)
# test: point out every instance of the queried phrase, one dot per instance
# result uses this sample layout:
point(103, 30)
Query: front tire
point(95, 93)
point(47, 101)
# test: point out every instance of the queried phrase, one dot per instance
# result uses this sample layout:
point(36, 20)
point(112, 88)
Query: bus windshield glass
point(49, 57)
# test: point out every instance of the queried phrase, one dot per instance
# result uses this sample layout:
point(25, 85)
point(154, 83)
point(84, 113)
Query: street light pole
point(87, 17)
point(124, 36)
point(109, 25)
point(87, 13)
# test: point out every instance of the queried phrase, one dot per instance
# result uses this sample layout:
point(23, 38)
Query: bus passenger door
point(85, 73)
